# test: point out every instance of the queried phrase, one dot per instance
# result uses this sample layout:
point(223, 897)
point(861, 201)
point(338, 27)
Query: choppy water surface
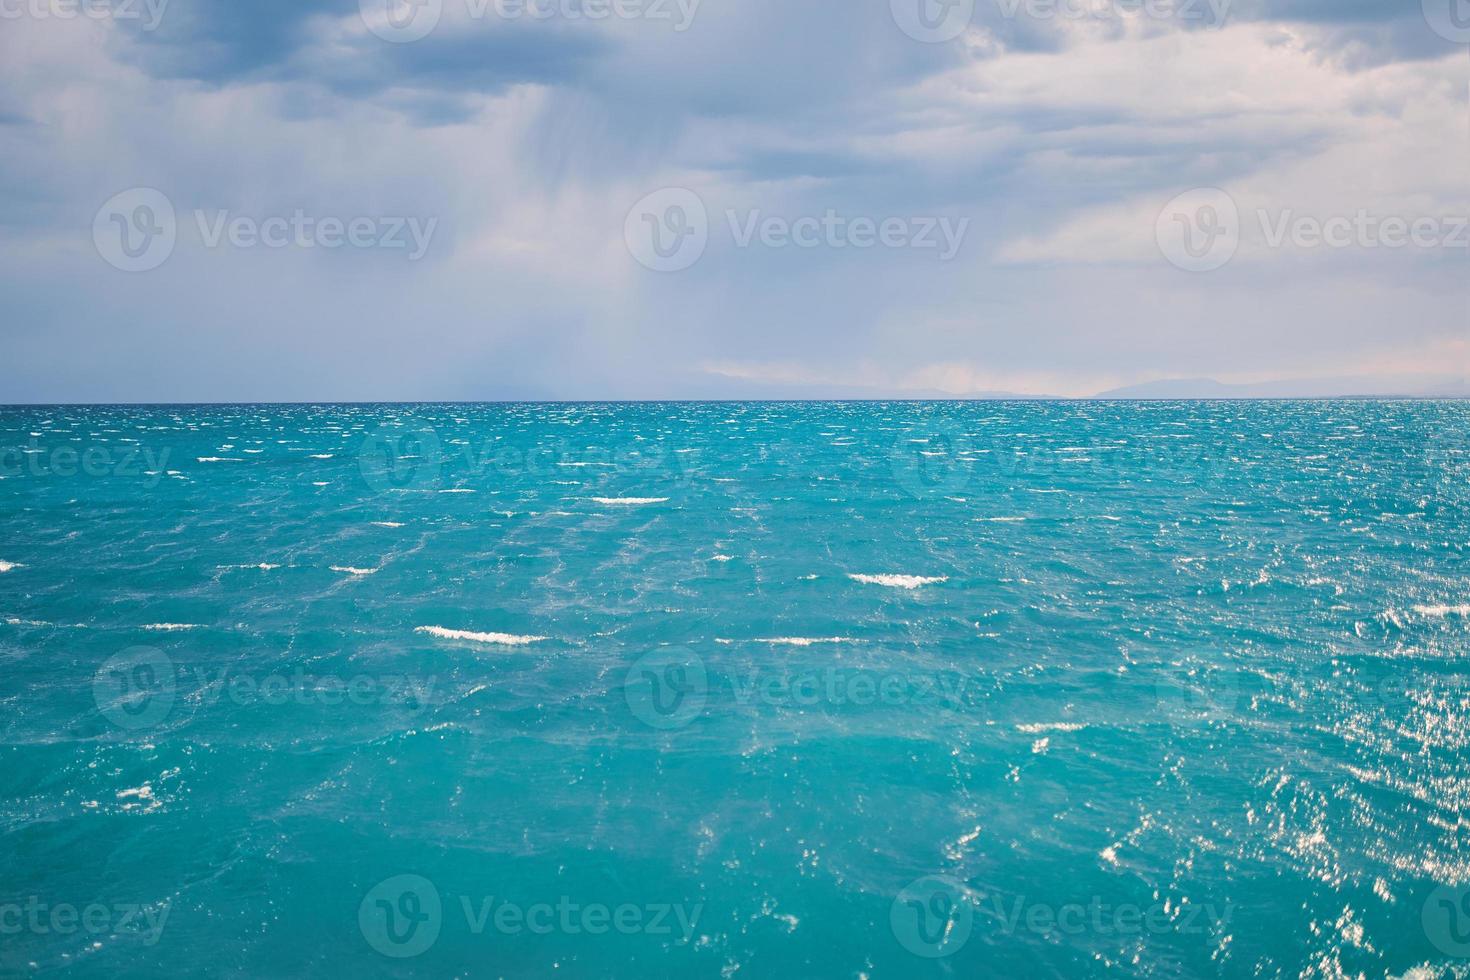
point(844, 690)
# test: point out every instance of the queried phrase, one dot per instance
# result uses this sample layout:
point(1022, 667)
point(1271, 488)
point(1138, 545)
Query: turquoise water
point(736, 690)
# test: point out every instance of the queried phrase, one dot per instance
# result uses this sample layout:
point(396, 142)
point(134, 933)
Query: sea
point(736, 690)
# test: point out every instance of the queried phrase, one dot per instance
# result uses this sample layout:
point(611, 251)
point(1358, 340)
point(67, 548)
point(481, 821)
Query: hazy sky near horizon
point(872, 196)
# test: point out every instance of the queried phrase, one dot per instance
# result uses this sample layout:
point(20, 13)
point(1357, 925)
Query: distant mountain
point(1350, 387)
point(741, 389)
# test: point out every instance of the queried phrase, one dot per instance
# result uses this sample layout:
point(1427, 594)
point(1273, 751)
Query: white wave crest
point(794, 641)
point(629, 501)
point(499, 639)
point(349, 570)
point(1442, 611)
point(171, 627)
point(899, 581)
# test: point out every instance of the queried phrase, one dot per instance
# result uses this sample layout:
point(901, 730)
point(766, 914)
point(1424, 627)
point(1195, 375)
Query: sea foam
point(793, 641)
point(499, 639)
point(1441, 611)
point(899, 581)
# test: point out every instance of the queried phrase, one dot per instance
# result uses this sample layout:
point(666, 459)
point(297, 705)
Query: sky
point(323, 200)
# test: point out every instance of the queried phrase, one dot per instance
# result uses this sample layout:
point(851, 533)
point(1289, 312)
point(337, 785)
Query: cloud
point(528, 141)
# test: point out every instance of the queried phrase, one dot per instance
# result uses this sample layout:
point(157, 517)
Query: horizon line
point(748, 401)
